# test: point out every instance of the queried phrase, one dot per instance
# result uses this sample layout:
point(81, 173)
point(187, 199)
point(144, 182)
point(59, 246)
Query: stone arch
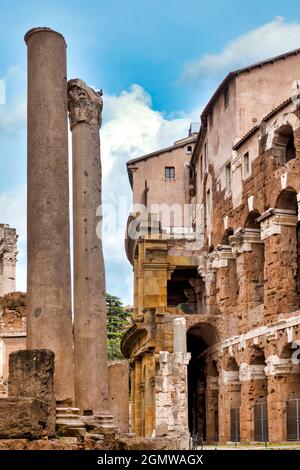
point(231, 364)
point(257, 356)
point(283, 144)
point(283, 122)
point(202, 380)
point(228, 233)
point(287, 199)
point(251, 220)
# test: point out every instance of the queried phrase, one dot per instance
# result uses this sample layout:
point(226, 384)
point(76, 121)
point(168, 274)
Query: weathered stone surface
point(68, 422)
point(8, 258)
point(49, 315)
point(159, 443)
point(118, 392)
point(22, 418)
point(90, 337)
point(31, 374)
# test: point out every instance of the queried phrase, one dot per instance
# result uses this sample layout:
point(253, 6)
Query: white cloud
point(271, 39)
point(13, 106)
point(131, 128)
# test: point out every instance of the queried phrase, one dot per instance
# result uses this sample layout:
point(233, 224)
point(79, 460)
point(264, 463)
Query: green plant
point(118, 320)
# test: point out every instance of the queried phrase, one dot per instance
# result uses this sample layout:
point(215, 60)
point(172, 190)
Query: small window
point(205, 155)
point(211, 118)
point(226, 97)
point(189, 150)
point(201, 166)
point(169, 172)
point(246, 164)
point(228, 178)
point(208, 202)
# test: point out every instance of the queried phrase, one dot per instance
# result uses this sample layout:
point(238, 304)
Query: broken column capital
point(85, 104)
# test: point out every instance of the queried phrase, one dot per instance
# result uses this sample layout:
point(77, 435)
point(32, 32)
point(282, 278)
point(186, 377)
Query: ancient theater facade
point(214, 346)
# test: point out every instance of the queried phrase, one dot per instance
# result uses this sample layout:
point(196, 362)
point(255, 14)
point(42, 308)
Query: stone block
point(118, 392)
point(31, 374)
point(24, 418)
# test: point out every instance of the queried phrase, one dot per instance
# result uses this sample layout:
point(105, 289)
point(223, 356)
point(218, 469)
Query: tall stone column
point(49, 315)
point(90, 331)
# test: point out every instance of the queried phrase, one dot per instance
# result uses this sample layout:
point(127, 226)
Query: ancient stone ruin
point(213, 349)
point(58, 385)
point(227, 274)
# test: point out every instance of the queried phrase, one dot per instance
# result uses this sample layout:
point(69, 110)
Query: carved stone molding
point(85, 104)
point(277, 366)
point(251, 372)
point(220, 256)
point(229, 377)
point(242, 240)
point(273, 219)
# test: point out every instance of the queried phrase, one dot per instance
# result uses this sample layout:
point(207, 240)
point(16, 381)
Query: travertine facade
point(235, 279)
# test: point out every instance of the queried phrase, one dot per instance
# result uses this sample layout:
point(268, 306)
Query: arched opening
point(259, 394)
point(226, 276)
point(202, 381)
point(290, 354)
point(186, 291)
point(287, 200)
point(252, 276)
point(233, 391)
point(284, 144)
point(290, 242)
point(251, 221)
point(225, 239)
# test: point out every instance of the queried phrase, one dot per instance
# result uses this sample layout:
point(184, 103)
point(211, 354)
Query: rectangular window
point(201, 167)
point(226, 97)
point(261, 422)
point(228, 178)
point(293, 419)
point(235, 425)
point(189, 150)
point(169, 172)
point(211, 118)
point(208, 205)
point(205, 155)
point(246, 164)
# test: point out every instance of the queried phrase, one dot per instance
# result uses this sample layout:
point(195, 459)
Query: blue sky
point(157, 62)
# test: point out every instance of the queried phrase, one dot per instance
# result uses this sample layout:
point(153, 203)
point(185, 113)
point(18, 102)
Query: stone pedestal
point(68, 422)
point(49, 315)
point(23, 418)
point(90, 331)
point(31, 374)
point(118, 388)
point(171, 414)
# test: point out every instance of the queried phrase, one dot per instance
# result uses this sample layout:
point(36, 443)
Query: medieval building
point(213, 347)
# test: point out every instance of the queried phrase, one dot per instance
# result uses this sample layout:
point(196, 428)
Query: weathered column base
point(69, 423)
point(99, 423)
point(101, 427)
